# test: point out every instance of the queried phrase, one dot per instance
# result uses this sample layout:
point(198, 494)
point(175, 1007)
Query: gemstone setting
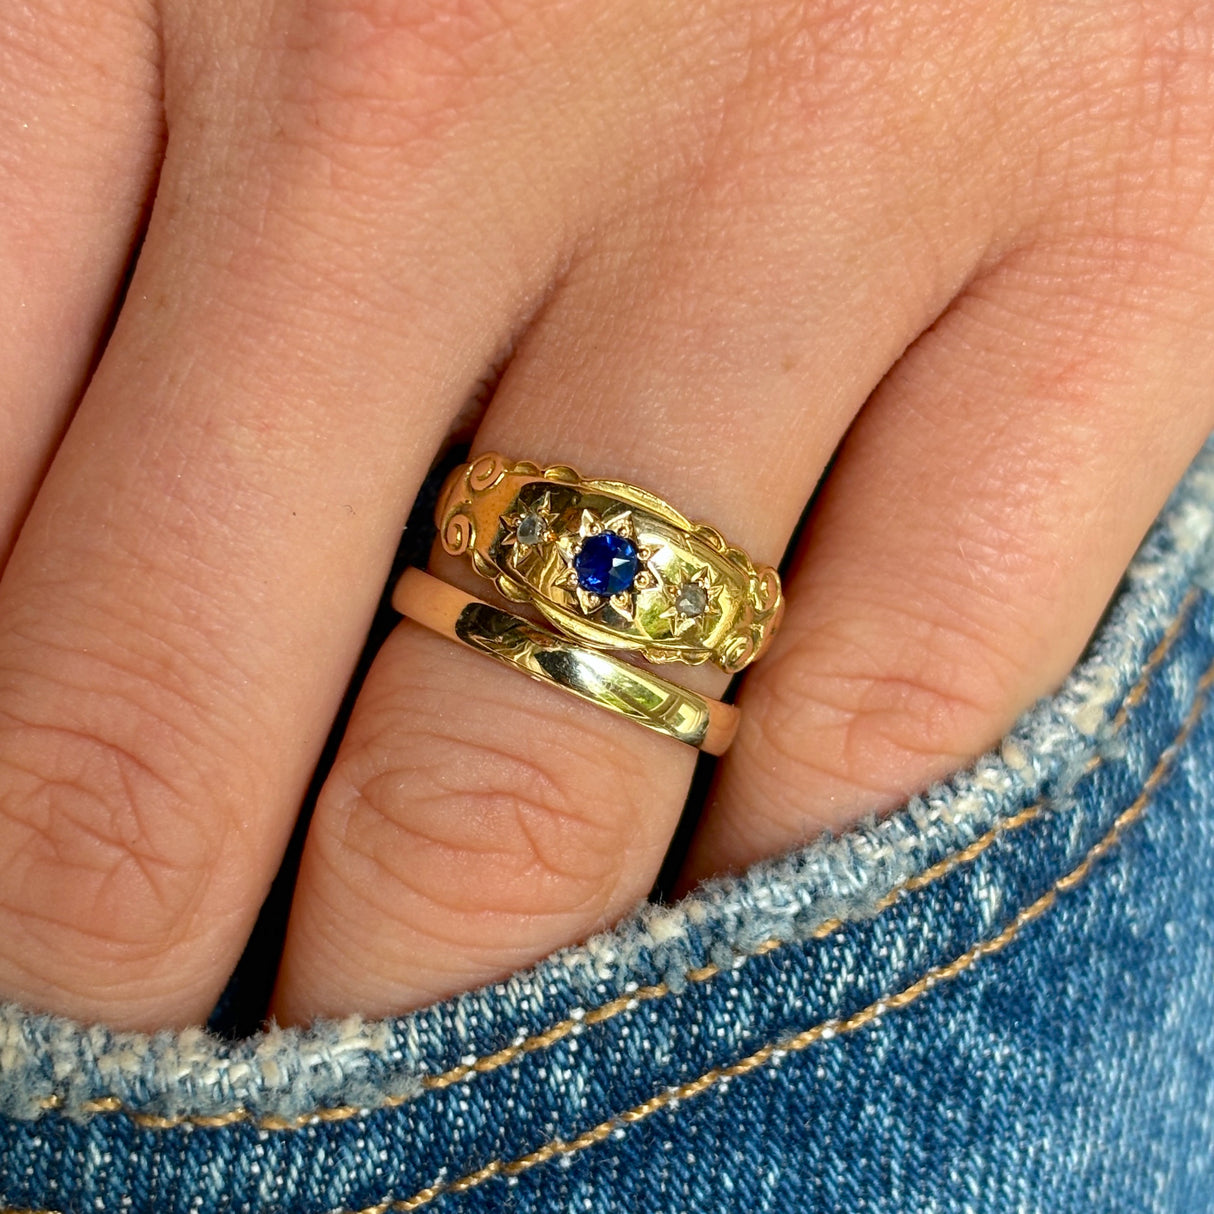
point(691, 600)
point(606, 564)
point(531, 530)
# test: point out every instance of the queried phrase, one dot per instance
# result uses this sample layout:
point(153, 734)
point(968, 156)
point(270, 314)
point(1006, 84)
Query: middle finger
point(711, 350)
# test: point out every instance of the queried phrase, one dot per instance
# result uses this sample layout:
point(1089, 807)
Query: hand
point(965, 247)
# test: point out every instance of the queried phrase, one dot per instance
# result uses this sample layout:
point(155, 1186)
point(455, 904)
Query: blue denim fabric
point(1000, 998)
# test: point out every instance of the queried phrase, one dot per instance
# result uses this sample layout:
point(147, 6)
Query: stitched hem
point(290, 1077)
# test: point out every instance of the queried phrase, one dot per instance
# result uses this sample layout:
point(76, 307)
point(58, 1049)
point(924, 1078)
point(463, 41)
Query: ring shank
point(597, 677)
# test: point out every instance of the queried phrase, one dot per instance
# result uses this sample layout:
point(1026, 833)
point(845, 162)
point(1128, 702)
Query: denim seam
point(776, 1051)
point(487, 1063)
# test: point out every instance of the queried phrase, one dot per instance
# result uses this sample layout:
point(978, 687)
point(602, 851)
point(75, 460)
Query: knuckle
point(391, 72)
point(1170, 54)
point(105, 860)
point(470, 828)
point(1143, 78)
point(873, 721)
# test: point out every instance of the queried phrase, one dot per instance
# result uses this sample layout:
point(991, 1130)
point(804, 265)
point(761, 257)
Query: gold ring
point(609, 564)
point(598, 677)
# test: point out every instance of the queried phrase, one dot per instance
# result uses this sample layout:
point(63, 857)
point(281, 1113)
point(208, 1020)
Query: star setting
point(530, 526)
point(694, 603)
point(605, 564)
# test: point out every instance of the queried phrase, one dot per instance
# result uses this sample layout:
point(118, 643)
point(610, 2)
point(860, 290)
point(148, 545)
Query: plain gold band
point(589, 674)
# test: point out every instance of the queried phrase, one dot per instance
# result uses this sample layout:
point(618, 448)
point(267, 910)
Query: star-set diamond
point(694, 604)
point(531, 530)
point(530, 526)
point(692, 599)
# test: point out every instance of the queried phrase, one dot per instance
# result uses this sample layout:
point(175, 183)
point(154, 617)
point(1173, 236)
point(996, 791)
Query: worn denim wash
point(1000, 998)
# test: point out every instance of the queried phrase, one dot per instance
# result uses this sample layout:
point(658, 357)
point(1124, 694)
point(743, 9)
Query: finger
point(974, 527)
point(182, 612)
point(711, 346)
point(80, 116)
point(473, 820)
point(341, 245)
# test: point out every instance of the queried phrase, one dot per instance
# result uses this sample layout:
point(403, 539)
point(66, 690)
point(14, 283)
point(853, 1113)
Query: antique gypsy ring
point(599, 677)
point(608, 564)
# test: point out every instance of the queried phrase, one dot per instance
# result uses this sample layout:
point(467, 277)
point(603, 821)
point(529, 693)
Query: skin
point(959, 250)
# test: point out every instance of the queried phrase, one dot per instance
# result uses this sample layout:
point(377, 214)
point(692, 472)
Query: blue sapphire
point(606, 564)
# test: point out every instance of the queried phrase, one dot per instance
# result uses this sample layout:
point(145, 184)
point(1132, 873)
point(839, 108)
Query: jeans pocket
point(999, 998)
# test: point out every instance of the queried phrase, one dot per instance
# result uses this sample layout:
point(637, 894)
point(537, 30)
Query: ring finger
point(474, 820)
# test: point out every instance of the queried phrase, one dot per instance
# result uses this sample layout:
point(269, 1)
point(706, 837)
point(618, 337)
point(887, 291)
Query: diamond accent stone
point(606, 564)
point(692, 599)
point(531, 530)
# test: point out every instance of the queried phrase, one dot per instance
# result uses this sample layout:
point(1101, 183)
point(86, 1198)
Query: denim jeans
point(999, 998)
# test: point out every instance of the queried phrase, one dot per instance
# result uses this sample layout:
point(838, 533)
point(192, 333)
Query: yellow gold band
point(591, 675)
point(609, 564)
